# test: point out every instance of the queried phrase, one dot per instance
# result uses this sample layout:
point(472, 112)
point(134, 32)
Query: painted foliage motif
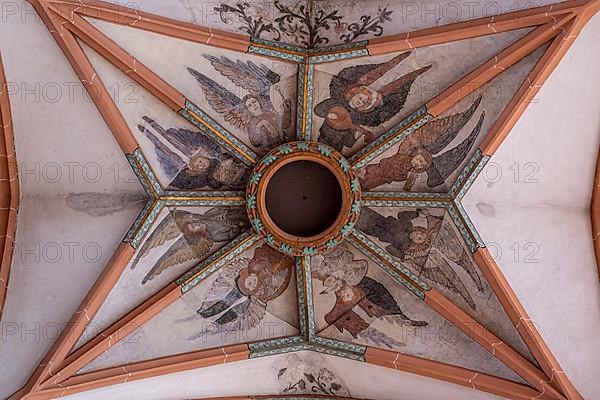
point(308, 375)
point(307, 26)
point(188, 236)
point(426, 244)
point(421, 153)
point(238, 298)
point(359, 299)
point(192, 160)
point(254, 112)
point(357, 101)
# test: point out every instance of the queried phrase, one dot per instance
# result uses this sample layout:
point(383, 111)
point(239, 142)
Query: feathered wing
point(222, 100)
point(450, 245)
point(438, 270)
point(256, 79)
point(379, 338)
point(242, 316)
point(442, 131)
point(217, 296)
point(165, 231)
point(178, 253)
point(170, 162)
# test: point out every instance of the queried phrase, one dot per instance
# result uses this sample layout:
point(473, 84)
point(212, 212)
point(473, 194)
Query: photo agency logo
point(25, 12)
point(55, 252)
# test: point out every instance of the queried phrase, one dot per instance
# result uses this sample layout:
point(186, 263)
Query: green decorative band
point(263, 51)
point(358, 45)
point(465, 226)
point(305, 100)
point(144, 173)
point(210, 127)
point(294, 246)
point(137, 224)
point(300, 291)
point(392, 266)
point(331, 57)
point(339, 345)
point(438, 197)
point(471, 171)
point(334, 352)
point(216, 260)
point(138, 236)
point(391, 137)
point(203, 202)
point(286, 47)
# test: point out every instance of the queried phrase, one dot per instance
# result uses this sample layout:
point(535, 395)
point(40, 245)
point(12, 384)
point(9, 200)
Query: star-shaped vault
point(412, 286)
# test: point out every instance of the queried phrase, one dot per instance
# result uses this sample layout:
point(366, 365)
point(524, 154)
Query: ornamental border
point(322, 243)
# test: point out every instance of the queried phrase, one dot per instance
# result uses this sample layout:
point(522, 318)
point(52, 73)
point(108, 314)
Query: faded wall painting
point(427, 242)
point(430, 157)
point(358, 101)
point(179, 238)
point(357, 301)
point(248, 299)
point(308, 373)
point(192, 160)
point(254, 113)
point(252, 97)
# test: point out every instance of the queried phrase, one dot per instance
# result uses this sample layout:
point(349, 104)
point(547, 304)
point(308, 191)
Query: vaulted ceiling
point(136, 259)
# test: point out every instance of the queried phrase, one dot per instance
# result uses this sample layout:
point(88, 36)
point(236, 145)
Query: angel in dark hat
point(254, 113)
point(192, 160)
point(238, 298)
point(427, 244)
point(191, 236)
point(418, 153)
point(354, 101)
point(358, 298)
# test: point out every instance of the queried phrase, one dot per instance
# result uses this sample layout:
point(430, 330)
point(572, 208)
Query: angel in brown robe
point(418, 153)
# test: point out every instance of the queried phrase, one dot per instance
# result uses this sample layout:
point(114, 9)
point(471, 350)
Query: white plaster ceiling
point(559, 133)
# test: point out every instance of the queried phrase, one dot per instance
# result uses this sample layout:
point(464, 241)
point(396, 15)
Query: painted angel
point(190, 236)
point(254, 112)
point(359, 299)
point(426, 244)
point(356, 100)
point(238, 298)
point(192, 160)
point(421, 153)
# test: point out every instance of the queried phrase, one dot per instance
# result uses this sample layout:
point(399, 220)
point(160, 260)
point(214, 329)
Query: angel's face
point(347, 294)
point(199, 165)
point(418, 162)
point(228, 172)
point(363, 99)
point(251, 282)
point(196, 227)
point(418, 236)
point(253, 106)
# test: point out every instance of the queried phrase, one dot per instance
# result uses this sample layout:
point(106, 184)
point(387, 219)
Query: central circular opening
point(303, 198)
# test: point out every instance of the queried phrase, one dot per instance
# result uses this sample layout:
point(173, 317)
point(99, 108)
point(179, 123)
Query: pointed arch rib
point(473, 28)
point(496, 65)
point(453, 374)
point(536, 78)
point(142, 313)
point(129, 65)
point(524, 325)
point(123, 15)
point(82, 317)
point(142, 370)
point(491, 343)
point(9, 188)
point(88, 77)
point(454, 314)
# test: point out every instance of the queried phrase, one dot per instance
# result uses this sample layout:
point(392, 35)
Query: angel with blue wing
point(238, 298)
point(254, 112)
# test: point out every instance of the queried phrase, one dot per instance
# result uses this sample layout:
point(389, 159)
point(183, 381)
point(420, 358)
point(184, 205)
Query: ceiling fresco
point(204, 283)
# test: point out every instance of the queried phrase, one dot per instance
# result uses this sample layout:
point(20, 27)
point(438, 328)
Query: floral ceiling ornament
point(406, 225)
point(305, 25)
